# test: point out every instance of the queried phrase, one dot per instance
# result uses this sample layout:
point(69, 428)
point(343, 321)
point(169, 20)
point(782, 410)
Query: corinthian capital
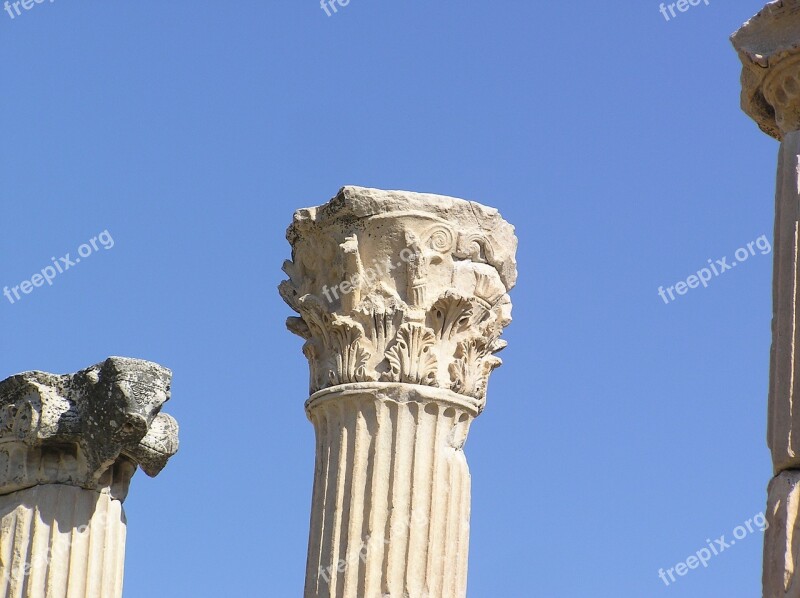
point(394, 286)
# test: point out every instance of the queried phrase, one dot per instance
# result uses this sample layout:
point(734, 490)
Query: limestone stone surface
point(782, 537)
point(769, 48)
point(394, 484)
point(783, 416)
point(69, 445)
point(402, 298)
point(61, 541)
point(400, 287)
point(71, 429)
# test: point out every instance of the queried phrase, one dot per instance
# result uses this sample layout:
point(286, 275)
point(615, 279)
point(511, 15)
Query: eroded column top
point(89, 429)
point(769, 48)
point(403, 287)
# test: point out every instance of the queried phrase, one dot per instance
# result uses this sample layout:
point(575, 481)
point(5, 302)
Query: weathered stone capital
point(769, 48)
point(90, 429)
point(394, 286)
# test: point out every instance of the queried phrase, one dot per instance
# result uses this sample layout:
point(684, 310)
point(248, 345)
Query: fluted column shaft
point(391, 498)
point(61, 541)
point(782, 536)
point(783, 429)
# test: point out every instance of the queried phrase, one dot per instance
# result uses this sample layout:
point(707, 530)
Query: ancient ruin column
point(68, 448)
point(402, 299)
point(769, 47)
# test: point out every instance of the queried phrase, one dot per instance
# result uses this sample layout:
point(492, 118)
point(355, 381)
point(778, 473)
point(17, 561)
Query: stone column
point(402, 299)
point(68, 448)
point(769, 47)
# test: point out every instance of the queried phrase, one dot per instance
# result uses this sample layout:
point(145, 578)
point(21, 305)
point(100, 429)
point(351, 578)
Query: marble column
point(769, 48)
point(69, 446)
point(402, 300)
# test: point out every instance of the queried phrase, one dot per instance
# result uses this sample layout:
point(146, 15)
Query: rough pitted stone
point(69, 445)
point(399, 360)
point(72, 429)
point(769, 48)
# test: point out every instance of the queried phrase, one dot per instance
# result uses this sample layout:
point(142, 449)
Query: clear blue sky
point(621, 431)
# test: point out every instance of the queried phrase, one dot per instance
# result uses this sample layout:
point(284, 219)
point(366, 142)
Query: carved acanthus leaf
point(450, 315)
point(312, 353)
point(349, 356)
point(470, 370)
point(380, 323)
point(411, 358)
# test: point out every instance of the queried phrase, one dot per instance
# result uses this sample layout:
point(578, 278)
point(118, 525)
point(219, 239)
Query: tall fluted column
point(402, 299)
point(769, 47)
point(69, 446)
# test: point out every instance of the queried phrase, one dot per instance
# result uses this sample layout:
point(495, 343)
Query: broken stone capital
point(769, 48)
point(90, 429)
point(69, 445)
point(402, 298)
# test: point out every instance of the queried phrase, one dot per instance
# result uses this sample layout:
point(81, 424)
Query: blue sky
point(622, 431)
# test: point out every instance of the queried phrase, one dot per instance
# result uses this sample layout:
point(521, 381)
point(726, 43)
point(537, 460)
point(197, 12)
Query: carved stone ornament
point(394, 286)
